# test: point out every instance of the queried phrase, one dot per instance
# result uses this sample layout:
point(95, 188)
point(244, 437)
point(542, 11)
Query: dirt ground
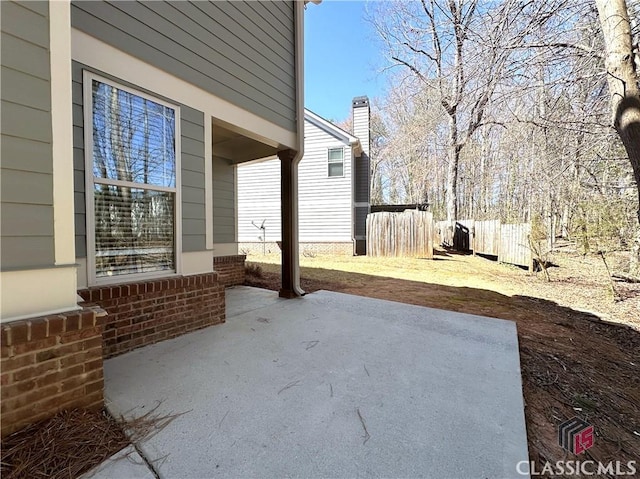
point(579, 348)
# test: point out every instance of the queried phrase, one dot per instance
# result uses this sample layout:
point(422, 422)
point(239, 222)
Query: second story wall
point(240, 51)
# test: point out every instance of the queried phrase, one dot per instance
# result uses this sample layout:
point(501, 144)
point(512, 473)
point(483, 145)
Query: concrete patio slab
point(242, 299)
point(330, 385)
point(126, 464)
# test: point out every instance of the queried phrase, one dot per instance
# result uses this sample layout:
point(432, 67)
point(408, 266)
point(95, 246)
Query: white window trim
point(334, 161)
point(87, 84)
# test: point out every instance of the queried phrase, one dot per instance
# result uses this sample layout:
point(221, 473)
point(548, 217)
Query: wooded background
point(513, 110)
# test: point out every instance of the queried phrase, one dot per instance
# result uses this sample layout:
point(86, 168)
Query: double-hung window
point(336, 162)
point(131, 165)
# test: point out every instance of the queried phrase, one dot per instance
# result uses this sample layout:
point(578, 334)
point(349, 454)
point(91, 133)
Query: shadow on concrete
point(573, 363)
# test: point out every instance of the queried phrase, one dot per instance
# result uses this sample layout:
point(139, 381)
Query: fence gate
point(408, 234)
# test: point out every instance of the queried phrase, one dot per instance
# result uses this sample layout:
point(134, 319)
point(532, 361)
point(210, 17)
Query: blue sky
point(342, 55)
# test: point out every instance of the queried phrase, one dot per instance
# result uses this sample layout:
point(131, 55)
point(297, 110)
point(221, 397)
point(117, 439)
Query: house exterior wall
point(145, 312)
point(36, 214)
point(259, 201)
point(325, 203)
point(306, 248)
point(243, 51)
point(193, 179)
point(192, 167)
point(224, 201)
point(27, 213)
point(230, 269)
point(236, 64)
point(48, 364)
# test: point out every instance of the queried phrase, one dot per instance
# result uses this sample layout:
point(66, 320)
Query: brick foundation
point(49, 364)
point(313, 248)
point(146, 312)
point(257, 248)
point(335, 249)
point(230, 269)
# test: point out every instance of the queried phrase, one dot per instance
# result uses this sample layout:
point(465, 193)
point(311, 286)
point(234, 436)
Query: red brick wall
point(49, 364)
point(230, 269)
point(146, 312)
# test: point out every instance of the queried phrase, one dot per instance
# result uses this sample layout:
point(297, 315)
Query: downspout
point(299, 52)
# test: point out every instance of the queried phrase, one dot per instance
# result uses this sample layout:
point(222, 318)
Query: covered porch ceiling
point(238, 145)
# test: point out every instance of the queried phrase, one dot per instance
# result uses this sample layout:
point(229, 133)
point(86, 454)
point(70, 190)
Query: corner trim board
point(37, 292)
point(62, 131)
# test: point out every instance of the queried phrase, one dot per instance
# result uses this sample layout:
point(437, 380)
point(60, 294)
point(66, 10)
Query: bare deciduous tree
point(624, 91)
point(463, 49)
point(500, 110)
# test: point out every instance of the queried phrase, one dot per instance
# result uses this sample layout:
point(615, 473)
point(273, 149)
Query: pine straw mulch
point(63, 447)
point(72, 443)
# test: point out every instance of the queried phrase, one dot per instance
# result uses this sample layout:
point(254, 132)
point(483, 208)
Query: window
point(131, 151)
point(336, 162)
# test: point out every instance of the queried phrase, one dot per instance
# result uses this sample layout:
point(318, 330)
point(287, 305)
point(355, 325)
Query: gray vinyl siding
point(361, 221)
point(224, 201)
point(361, 181)
point(79, 205)
point(193, 182)
point(259, 201)
point(27, 162)
point(240, 51)
point(325, 204)
point(192, 169)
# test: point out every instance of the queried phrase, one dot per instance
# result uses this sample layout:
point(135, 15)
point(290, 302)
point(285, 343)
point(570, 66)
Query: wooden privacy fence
point(443, 233)
point(413, 233)
point(509, 242)
point(486, 237)
point(409, 233)
point(455, 234)
point(514, 245)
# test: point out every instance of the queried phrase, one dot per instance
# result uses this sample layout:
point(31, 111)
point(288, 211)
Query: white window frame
point(87, 84)
point(330, 162)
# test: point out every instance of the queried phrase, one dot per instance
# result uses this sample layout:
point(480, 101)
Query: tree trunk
point(452, 170)
point(622, 78)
